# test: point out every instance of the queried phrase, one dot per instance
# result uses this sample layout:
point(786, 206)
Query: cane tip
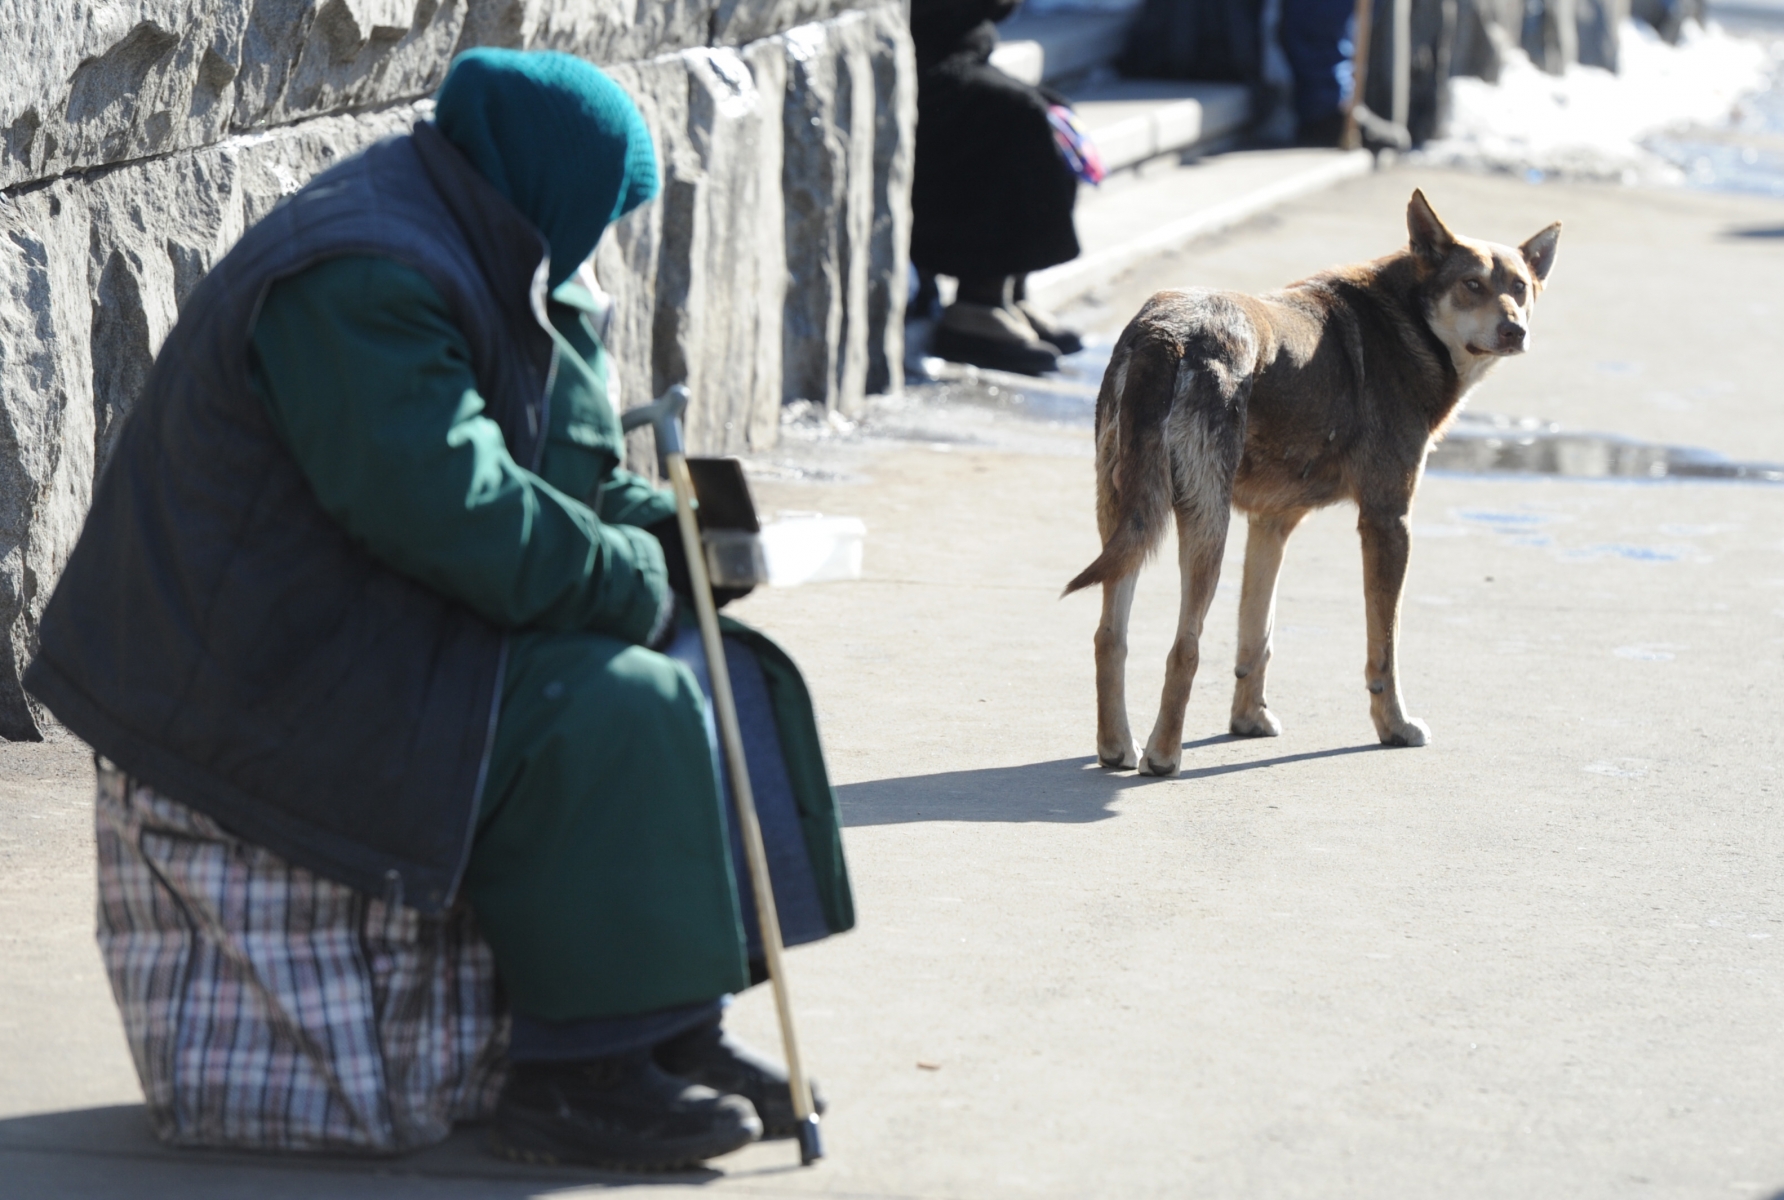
point(811, 1141)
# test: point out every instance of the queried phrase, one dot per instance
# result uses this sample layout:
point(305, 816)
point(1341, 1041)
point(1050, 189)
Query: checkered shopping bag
point(268, 1008)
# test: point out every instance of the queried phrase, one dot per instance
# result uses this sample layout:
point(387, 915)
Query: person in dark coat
point(366, 583)
point(992, 197)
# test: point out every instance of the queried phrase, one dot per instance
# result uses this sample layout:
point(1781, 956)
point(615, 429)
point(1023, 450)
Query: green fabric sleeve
point(629, 499)
point(370, 384)
point(585, 448)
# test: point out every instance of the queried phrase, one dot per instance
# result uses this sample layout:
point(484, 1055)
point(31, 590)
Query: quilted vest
point(218, 636)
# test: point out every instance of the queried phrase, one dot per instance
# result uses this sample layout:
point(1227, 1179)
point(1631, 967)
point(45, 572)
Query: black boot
point(993, 337)
point(1045, 325)
point(623, 1113)
point(706, 1055)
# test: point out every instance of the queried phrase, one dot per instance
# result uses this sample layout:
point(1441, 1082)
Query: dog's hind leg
point(1201, 543)
point(1264, 544)
point(1114, 740)
point(1133, 494)
point(1204, 436)
point(1387, 542)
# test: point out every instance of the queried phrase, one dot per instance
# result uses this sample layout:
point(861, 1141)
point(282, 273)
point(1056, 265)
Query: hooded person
point(996, 177)
point(366, 583)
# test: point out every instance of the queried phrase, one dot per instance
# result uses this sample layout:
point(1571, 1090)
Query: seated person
point(366, 585)
point(992, 195)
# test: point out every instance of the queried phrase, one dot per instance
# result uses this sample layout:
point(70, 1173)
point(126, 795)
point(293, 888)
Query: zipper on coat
point(495, 701)
point(489, 749)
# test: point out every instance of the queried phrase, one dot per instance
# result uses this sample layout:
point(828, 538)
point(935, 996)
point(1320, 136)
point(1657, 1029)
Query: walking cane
point(664, 415)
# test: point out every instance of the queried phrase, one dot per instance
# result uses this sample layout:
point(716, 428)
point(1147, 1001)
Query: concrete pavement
point(1539, 957)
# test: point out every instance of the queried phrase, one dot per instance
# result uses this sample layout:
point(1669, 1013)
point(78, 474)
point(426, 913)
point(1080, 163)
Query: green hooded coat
point(601, 872)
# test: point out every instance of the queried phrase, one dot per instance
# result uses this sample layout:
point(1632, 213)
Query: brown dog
point(1331, 389)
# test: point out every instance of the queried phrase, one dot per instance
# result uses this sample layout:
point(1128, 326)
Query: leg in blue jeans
point(1310, 32)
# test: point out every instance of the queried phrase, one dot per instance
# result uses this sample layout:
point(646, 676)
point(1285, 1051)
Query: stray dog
point(1331, 389)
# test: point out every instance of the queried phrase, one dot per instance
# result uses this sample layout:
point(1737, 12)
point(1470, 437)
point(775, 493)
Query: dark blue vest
point(218, 636)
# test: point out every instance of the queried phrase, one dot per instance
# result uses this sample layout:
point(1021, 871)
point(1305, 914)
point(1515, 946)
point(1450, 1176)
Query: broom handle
point(754, 852)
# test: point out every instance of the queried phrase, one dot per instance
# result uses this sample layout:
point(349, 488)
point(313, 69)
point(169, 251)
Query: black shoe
point(622, 1113)
point(1048, 328)
point(999, 339)
point(705, 1055)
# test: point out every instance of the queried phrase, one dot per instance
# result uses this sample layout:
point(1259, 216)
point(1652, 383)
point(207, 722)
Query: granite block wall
point(139, 139)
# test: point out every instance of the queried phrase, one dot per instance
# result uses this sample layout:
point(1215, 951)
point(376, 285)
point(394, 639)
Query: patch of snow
point(1591, 124)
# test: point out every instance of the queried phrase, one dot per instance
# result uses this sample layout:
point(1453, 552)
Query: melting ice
point(1708, 112)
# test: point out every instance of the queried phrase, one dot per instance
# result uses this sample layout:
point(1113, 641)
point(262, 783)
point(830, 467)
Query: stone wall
point(139, 139)
point(1477, 37)
point(1553, 33)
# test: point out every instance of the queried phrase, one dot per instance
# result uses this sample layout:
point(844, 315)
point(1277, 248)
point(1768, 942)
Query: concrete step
point(1160, 209)
point(1131, 121)
point(1056, 46)
point(1135, 120)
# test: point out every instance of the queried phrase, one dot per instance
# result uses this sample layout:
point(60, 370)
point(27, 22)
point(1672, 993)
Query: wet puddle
point(1482, 443)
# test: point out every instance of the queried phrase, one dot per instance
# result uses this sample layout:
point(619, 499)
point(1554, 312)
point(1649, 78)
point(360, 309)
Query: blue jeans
point(1311, 33)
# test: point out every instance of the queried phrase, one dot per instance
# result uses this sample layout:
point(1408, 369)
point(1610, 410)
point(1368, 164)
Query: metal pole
point(675, 459)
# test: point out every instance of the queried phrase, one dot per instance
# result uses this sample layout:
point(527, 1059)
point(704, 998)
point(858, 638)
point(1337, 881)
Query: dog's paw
point(1160, 766)
point(1411, 732)
point(1259, 722)
point(1123, 759)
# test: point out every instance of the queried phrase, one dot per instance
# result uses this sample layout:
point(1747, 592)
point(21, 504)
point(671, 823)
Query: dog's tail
point(1133, 473)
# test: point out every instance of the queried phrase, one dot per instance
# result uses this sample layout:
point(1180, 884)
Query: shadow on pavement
point(109, 1152)
point(1069, 790)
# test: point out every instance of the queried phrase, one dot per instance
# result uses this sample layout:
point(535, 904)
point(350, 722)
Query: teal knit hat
point(559, 139)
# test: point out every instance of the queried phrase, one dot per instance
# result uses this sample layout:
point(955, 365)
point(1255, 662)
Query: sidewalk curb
point(1057, 286)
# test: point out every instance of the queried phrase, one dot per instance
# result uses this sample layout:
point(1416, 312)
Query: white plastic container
point(812, 548)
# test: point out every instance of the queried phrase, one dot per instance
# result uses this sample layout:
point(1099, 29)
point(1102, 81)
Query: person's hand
point(675, 558)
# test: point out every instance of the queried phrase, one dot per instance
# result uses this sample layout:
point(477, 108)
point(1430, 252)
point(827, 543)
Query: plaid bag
point(270, 1009)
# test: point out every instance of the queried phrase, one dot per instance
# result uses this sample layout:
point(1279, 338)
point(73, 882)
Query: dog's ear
point(1539, 251)
point(1431, 238)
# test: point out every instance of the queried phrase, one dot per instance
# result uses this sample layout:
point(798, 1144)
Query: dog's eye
point(1472, 285)
point(1517, 288)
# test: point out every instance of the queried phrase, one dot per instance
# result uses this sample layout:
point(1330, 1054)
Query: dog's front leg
point(1387, 541)
point(1114, 740)
point(1201, 541)
point(1264, 544)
